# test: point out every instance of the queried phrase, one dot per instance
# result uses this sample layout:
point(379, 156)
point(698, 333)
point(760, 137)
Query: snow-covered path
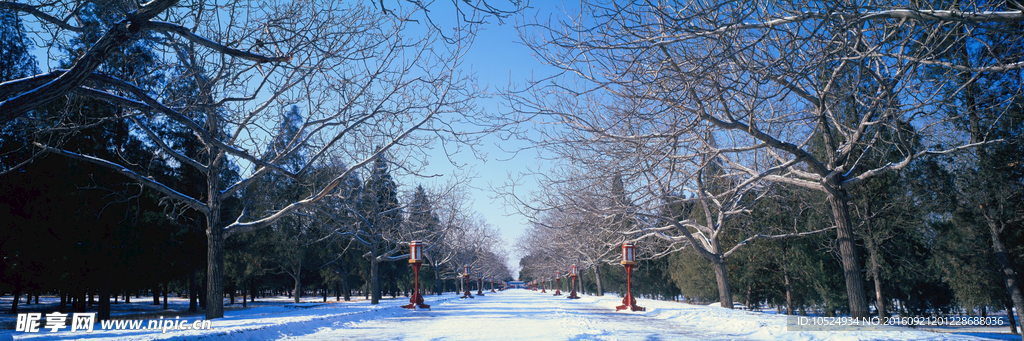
point(510, 315)
point(530, 315)
point(516, 315)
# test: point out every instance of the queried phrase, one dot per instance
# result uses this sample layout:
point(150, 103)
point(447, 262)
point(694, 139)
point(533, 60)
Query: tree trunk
point(165, 295)
point(80, 299)
point(345, 289)
point(104, 311)
point(876, 272)
point(14, 304)
point(788, 285)
point(298, 285)
point(1012, 320)
point(437, 278)
point(1009, 274)
point(747, 301)
point(375, 290)
point(193, 292)
point(837, 198)
point(876, 277)
point(63, 301)
point(597, 280)
point(722, 279)
point(215, 266)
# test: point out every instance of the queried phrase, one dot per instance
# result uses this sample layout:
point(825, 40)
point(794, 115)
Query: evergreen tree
point(381, 218)
point(15, 60)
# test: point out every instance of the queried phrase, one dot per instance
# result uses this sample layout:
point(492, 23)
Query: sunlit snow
point(515, 314)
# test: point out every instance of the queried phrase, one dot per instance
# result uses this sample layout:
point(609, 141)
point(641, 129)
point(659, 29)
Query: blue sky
point(498, 59)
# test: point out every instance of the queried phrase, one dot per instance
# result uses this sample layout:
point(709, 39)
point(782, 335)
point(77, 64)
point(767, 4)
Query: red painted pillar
point(416, 301)
point(628, 261)
point(572, 294)
point(467, 294)
point(558, 284)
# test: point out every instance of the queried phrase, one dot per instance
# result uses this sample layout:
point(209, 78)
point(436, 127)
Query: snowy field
point(511, 315)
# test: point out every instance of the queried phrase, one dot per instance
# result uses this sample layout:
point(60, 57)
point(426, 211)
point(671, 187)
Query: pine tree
point(15, 60)
point(382, 216)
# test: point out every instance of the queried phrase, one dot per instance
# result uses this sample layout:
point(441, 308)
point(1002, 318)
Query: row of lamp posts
point(416, 259)
point(628, 261)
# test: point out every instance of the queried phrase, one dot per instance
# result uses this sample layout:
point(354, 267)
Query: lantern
point(629, 261)
point(573, 272)
point(415, 252)
point(628, 254)
point(558, 283)
point(465, 271)
point(416, 259)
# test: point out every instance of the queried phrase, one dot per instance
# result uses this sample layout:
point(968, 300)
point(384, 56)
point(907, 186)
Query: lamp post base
point(629, 302)
point(467, 294)
point(416, 301)
point(572, 294)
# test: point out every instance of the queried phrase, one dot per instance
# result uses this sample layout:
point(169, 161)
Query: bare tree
point(631, 170)
point(360, 79)
point(772, 91)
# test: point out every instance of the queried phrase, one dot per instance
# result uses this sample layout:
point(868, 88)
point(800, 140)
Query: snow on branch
point(774, 236)
point(119, 34)
point(43, 16)
point(191, 202)
point(164, 26)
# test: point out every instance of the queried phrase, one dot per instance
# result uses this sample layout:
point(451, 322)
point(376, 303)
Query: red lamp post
point(492, 285)
point(558, 286)
point(573, 272)
point(480, 285)
point(465, 270)
point(416, 259)
point(543, 285)
point(628, 261)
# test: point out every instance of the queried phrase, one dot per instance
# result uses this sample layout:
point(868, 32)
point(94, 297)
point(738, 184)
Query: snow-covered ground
point(510, 315)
